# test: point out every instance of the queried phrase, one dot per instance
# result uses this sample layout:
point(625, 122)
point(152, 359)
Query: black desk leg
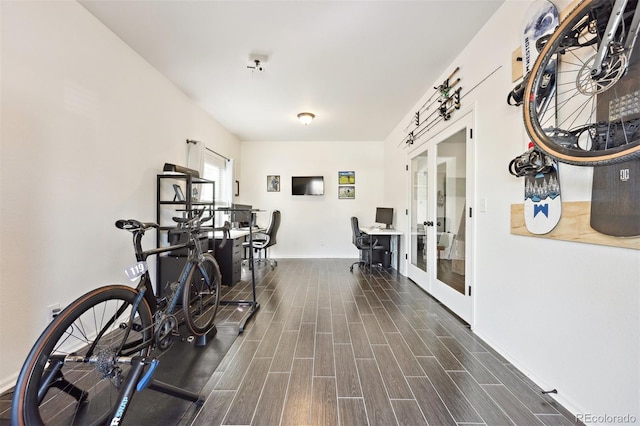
point(254, 305)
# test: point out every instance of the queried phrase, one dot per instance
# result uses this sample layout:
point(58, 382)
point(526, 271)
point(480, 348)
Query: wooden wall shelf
point(573, 226)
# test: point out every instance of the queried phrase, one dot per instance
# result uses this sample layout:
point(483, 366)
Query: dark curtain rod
point(210, 150)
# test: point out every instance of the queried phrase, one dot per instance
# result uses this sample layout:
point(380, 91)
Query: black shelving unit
point(173, 203)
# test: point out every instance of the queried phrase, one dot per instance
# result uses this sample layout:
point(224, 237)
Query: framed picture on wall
point(346, 178)
point(273, 183)
point(347, 192)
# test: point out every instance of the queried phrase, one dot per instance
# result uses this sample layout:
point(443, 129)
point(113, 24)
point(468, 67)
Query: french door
point(441, 242)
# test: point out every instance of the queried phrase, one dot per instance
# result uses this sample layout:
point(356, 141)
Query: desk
point(394, 244)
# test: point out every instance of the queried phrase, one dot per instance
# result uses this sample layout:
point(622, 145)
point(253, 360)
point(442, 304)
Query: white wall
point(567, 314)
point(313, 226)
point(86, 126)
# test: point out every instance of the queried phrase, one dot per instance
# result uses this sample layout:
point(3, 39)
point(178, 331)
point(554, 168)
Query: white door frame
point(460, 304)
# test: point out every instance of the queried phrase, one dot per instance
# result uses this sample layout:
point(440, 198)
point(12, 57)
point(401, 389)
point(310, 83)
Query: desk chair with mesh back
point(364, 244)
point(262, 240)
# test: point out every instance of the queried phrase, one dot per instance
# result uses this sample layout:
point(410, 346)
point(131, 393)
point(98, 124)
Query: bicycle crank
point(164, 332)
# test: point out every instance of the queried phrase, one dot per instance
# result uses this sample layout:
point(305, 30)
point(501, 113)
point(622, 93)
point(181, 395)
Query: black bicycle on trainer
point(593, 115)
point(88, 363)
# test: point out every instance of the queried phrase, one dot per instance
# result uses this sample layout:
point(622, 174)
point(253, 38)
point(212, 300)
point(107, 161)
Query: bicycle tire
point(201, 296)
point(95, 383)
point(580, 127)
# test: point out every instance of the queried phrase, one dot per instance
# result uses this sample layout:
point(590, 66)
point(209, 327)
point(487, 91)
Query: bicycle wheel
point(52, 388)
point(593, 120)
point(202, 295)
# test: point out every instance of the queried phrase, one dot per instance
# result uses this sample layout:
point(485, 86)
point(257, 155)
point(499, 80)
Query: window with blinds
point(217, 169)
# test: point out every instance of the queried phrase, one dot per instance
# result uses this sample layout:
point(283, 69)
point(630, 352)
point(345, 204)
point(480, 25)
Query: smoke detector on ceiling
point(257, 62)
point(257, 65)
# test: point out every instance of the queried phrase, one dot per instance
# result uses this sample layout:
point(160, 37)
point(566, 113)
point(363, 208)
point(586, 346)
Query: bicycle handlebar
point(195, 221)
point(192, 224)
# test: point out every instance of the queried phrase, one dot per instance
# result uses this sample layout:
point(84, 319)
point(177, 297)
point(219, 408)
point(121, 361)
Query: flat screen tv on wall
point(307, 185)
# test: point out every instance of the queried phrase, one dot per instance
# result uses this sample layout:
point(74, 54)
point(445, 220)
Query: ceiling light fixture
point(306, 117)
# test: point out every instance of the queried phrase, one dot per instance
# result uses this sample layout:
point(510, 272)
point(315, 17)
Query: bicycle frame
point(145, 287)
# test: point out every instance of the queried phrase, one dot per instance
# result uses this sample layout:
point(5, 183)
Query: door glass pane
point(451, 207)
point(419, 212)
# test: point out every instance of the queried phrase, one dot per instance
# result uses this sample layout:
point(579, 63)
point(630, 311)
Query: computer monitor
point(384, 215)
point(242, 218)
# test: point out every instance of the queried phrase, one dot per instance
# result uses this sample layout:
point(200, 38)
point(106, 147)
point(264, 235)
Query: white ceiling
point(360, 66)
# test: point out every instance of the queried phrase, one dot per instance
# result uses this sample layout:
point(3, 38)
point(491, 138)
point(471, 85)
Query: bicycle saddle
point(133, 225)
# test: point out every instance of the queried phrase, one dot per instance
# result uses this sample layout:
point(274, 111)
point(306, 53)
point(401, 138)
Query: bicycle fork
point(617, 15)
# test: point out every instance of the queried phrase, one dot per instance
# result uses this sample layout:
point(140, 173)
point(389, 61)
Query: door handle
point(428, 223)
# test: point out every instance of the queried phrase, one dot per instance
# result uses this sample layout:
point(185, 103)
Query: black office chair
point(262, 240)
point(363, 243)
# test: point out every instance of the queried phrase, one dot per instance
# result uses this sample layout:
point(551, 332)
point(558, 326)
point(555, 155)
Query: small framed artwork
point(347, 192)
point(273, 183)
point(346, 178)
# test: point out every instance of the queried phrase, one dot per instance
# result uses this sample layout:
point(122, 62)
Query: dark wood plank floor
point(330, 347)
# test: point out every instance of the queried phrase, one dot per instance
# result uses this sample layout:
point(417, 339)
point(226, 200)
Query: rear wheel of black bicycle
point(201, 295)
point(593, 120)
point(72, 375)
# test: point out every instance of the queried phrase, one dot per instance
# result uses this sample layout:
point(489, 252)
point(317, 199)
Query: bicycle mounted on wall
point(592, 115)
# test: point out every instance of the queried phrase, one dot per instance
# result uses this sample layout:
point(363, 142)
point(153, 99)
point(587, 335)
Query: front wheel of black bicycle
point(73, 374)
point(593, 119)
point(201, 295)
